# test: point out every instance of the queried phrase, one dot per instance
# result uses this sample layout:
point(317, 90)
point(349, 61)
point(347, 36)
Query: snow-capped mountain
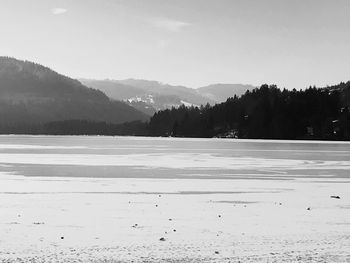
point(151, 96)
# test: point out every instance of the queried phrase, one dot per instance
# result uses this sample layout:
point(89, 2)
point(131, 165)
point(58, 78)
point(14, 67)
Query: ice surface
point(57, 218)
point(169, 160)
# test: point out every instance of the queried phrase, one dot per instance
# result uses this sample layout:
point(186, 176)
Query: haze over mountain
point(151, 96)
point(32, 93)
point(221, 92)
point(122, 92)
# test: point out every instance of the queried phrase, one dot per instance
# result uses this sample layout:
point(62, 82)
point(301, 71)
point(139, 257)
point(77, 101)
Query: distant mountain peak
point(164, 96)
point(151, 93)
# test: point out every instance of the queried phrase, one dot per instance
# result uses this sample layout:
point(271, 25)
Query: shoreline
point(315, 141)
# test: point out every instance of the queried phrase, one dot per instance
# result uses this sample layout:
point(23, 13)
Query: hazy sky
point(292, 43)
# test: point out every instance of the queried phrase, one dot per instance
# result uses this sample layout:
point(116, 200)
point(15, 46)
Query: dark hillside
point(31, 93)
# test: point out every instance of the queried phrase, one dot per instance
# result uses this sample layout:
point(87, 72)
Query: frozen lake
point(111, 199)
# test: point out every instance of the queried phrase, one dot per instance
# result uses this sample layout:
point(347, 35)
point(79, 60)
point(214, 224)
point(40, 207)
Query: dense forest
point(266, 112)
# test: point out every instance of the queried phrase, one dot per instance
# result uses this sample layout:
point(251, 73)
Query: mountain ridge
point(33, 93)
point(161, 96)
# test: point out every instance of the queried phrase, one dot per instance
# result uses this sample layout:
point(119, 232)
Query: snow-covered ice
point(105, 199)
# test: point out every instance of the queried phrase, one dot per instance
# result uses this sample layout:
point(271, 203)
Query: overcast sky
point(292, 43)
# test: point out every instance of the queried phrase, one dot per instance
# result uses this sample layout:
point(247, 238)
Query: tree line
point(265, 113)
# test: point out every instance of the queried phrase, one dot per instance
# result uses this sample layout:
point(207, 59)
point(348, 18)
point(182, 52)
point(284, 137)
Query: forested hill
point(266, 112)
point(36, 100)
point(33, 94)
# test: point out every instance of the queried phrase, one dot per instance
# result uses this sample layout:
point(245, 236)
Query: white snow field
point(133, 199)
